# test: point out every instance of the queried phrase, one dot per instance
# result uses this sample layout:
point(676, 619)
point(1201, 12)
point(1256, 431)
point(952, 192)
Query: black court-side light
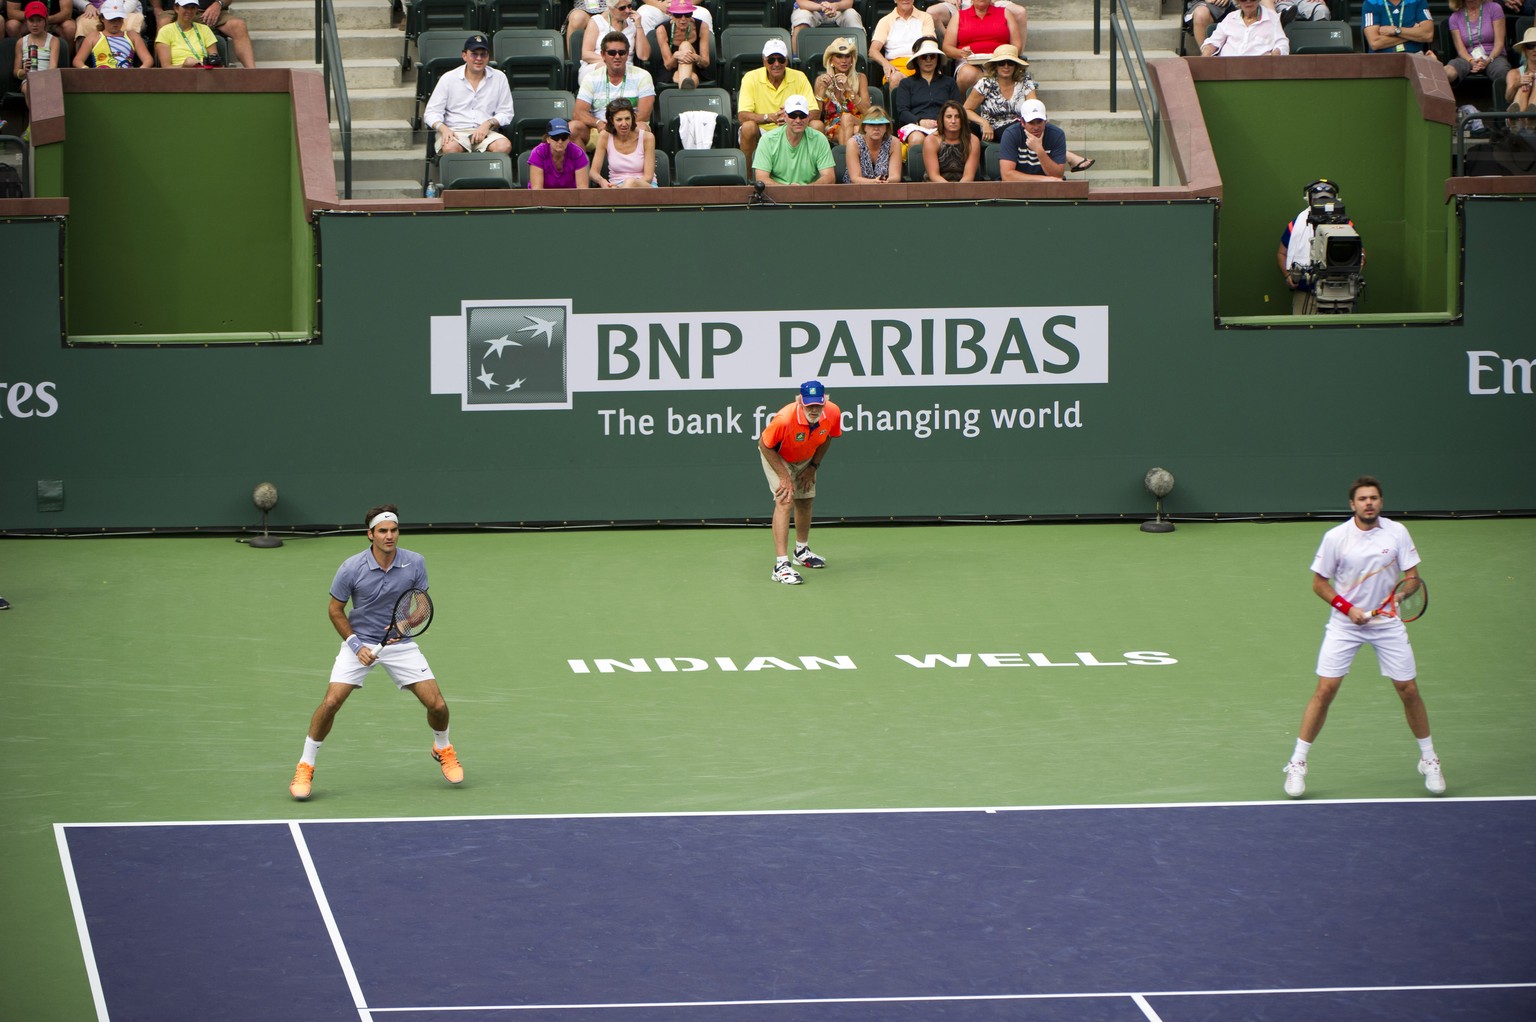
point(1159, 483)
point(265, 498)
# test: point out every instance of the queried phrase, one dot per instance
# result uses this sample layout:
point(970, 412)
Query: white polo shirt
point(1365, 566)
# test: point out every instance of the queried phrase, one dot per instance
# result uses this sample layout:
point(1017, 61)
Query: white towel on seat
point(696, 128)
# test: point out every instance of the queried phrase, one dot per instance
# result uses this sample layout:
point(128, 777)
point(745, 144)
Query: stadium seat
point(17, 155)
point(812, 43)
point(10, 87)
point(1320, 37)
point(745, 14)
point(710, 167)
point(741, 50)
point(671, 104)
point(663, 170)
point(914, 171)
point(423, 16)
point(532, 110)
point(840, 162)
point(531, 58)
point(477, 170)
point(438, 51)
point(991, 152)
point(496, 15)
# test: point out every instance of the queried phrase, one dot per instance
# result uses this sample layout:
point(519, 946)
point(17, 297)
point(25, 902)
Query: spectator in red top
point(792, 446)
point(976, 31)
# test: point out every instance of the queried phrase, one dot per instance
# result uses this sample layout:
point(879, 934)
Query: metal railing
point(1141, 87)
point(1488, 117)
point(328, 56)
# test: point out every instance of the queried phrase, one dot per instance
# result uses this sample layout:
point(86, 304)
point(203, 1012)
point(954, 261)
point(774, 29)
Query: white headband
point(383, 516)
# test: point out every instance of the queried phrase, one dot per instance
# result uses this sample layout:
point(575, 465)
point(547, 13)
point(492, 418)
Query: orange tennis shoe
point(303, 780)
point(449, 760)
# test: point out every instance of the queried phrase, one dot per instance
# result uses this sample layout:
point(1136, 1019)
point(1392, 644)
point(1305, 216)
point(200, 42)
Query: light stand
point(265, 498)
point(1159, 483)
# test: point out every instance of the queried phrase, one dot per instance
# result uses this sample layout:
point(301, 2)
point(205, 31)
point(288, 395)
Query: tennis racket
point(413, 614)
point(1408, 601)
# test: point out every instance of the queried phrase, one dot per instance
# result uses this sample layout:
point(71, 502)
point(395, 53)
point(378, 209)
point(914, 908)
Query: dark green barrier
point(384, 408)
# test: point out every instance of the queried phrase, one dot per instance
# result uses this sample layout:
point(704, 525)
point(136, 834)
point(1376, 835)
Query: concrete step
point(291, 15)
point(1124, 126)
point(1056, 36)
point(384, 165)
point(1067, 97)
point(1078, 65)
point(1112, 156)
point(1060, 10)
point(382, 104)
point(299, 44)
point(394, 134)
point(370, 73)
point(402, 188)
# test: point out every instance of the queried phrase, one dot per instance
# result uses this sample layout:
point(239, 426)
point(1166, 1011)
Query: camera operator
point(1320, 254)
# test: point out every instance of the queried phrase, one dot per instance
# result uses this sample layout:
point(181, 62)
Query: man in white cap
point(1032, 147)
point(794, 156)
point(760, 99)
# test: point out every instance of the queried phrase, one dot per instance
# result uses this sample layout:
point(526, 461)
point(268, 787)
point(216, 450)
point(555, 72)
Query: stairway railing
point(1136, 67)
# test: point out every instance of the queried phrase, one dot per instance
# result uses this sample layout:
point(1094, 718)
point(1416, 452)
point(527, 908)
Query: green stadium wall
point(1065, 345)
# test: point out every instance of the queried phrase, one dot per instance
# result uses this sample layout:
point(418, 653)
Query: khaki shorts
point(462, 137)
point(796, 471)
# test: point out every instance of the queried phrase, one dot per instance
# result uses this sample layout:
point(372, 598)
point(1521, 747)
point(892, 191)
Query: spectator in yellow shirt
point(760, 100)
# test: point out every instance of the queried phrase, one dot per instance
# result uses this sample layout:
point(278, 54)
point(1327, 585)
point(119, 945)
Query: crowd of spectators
point(110, 35)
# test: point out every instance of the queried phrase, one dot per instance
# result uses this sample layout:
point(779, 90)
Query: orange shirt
point(791, 435)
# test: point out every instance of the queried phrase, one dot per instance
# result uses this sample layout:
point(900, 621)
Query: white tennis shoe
point(1296, 778)
point(782, 572)
point(1434, 778)
point(807, 558)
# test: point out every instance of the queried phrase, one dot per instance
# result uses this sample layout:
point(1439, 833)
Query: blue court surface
point(1404, 909)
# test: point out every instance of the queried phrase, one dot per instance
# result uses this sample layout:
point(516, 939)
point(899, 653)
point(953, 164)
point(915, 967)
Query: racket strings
point(1412, 599)
point(413, 613)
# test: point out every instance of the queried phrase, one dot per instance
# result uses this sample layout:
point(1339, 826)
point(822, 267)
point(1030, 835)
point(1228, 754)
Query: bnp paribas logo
point(502, 356)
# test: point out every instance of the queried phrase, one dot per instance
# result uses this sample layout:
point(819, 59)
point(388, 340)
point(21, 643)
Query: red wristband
point(1342, 605)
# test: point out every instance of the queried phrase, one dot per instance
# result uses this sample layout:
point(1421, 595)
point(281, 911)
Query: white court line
point(1281, 803)
point(1146, 1009)
point(330, 924)
point(91, 972)
point(1138, 997)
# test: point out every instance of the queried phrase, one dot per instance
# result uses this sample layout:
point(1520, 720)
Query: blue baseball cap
point(813, 392)
point(477, 42)
point(559, 127)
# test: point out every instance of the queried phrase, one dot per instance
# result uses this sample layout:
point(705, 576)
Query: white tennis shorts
point(1389, 637)
point(403, 660)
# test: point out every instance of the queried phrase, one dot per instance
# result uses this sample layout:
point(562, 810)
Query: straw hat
point(1528, 40)
point(838, 48)
point(1005, 52)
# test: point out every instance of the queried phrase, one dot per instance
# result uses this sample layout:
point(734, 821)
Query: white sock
point(801, 548)
point(1300, 755)
point(781, 559)
point(1426, 748)
point(311, 750)
point(440, 739)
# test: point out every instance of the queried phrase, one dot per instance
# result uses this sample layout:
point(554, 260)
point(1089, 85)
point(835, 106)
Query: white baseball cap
point(1032, 110)
point(797, 105)
point(773, 46)
point(112, 10)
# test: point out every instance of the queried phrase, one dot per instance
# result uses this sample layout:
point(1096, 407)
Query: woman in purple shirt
point(554, 162)
point(1477, 33)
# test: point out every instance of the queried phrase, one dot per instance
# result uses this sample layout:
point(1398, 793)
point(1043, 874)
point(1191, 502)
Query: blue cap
point(477, 42)
point(559, 127)
point(813, 392)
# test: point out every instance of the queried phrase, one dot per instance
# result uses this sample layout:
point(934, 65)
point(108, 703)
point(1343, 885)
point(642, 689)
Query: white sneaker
point(782, 572)
point(1434, 779)
point(808, 559)
point(1296, 778)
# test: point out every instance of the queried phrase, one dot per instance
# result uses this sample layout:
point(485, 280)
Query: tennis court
point(973, 772)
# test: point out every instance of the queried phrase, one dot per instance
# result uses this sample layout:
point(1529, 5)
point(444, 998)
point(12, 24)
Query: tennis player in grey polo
point(373, 581)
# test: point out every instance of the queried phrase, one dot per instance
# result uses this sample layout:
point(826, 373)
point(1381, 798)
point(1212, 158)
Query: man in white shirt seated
point(1250, 31)
point(470, 104)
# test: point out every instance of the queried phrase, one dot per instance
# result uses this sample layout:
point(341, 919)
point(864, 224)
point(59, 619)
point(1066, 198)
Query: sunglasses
point(797, 116)
point(616, 53)
point(776, 59)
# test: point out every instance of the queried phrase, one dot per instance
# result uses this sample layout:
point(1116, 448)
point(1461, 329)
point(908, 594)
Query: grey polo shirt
point(373, 591)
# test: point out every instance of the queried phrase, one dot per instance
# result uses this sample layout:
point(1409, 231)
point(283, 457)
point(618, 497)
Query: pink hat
point(680, 7)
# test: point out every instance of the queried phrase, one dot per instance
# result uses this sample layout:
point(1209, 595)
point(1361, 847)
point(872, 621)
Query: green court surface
point(172, 679)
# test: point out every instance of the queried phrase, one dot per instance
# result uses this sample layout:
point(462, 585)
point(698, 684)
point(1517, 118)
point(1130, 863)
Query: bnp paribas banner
point(500, 356)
